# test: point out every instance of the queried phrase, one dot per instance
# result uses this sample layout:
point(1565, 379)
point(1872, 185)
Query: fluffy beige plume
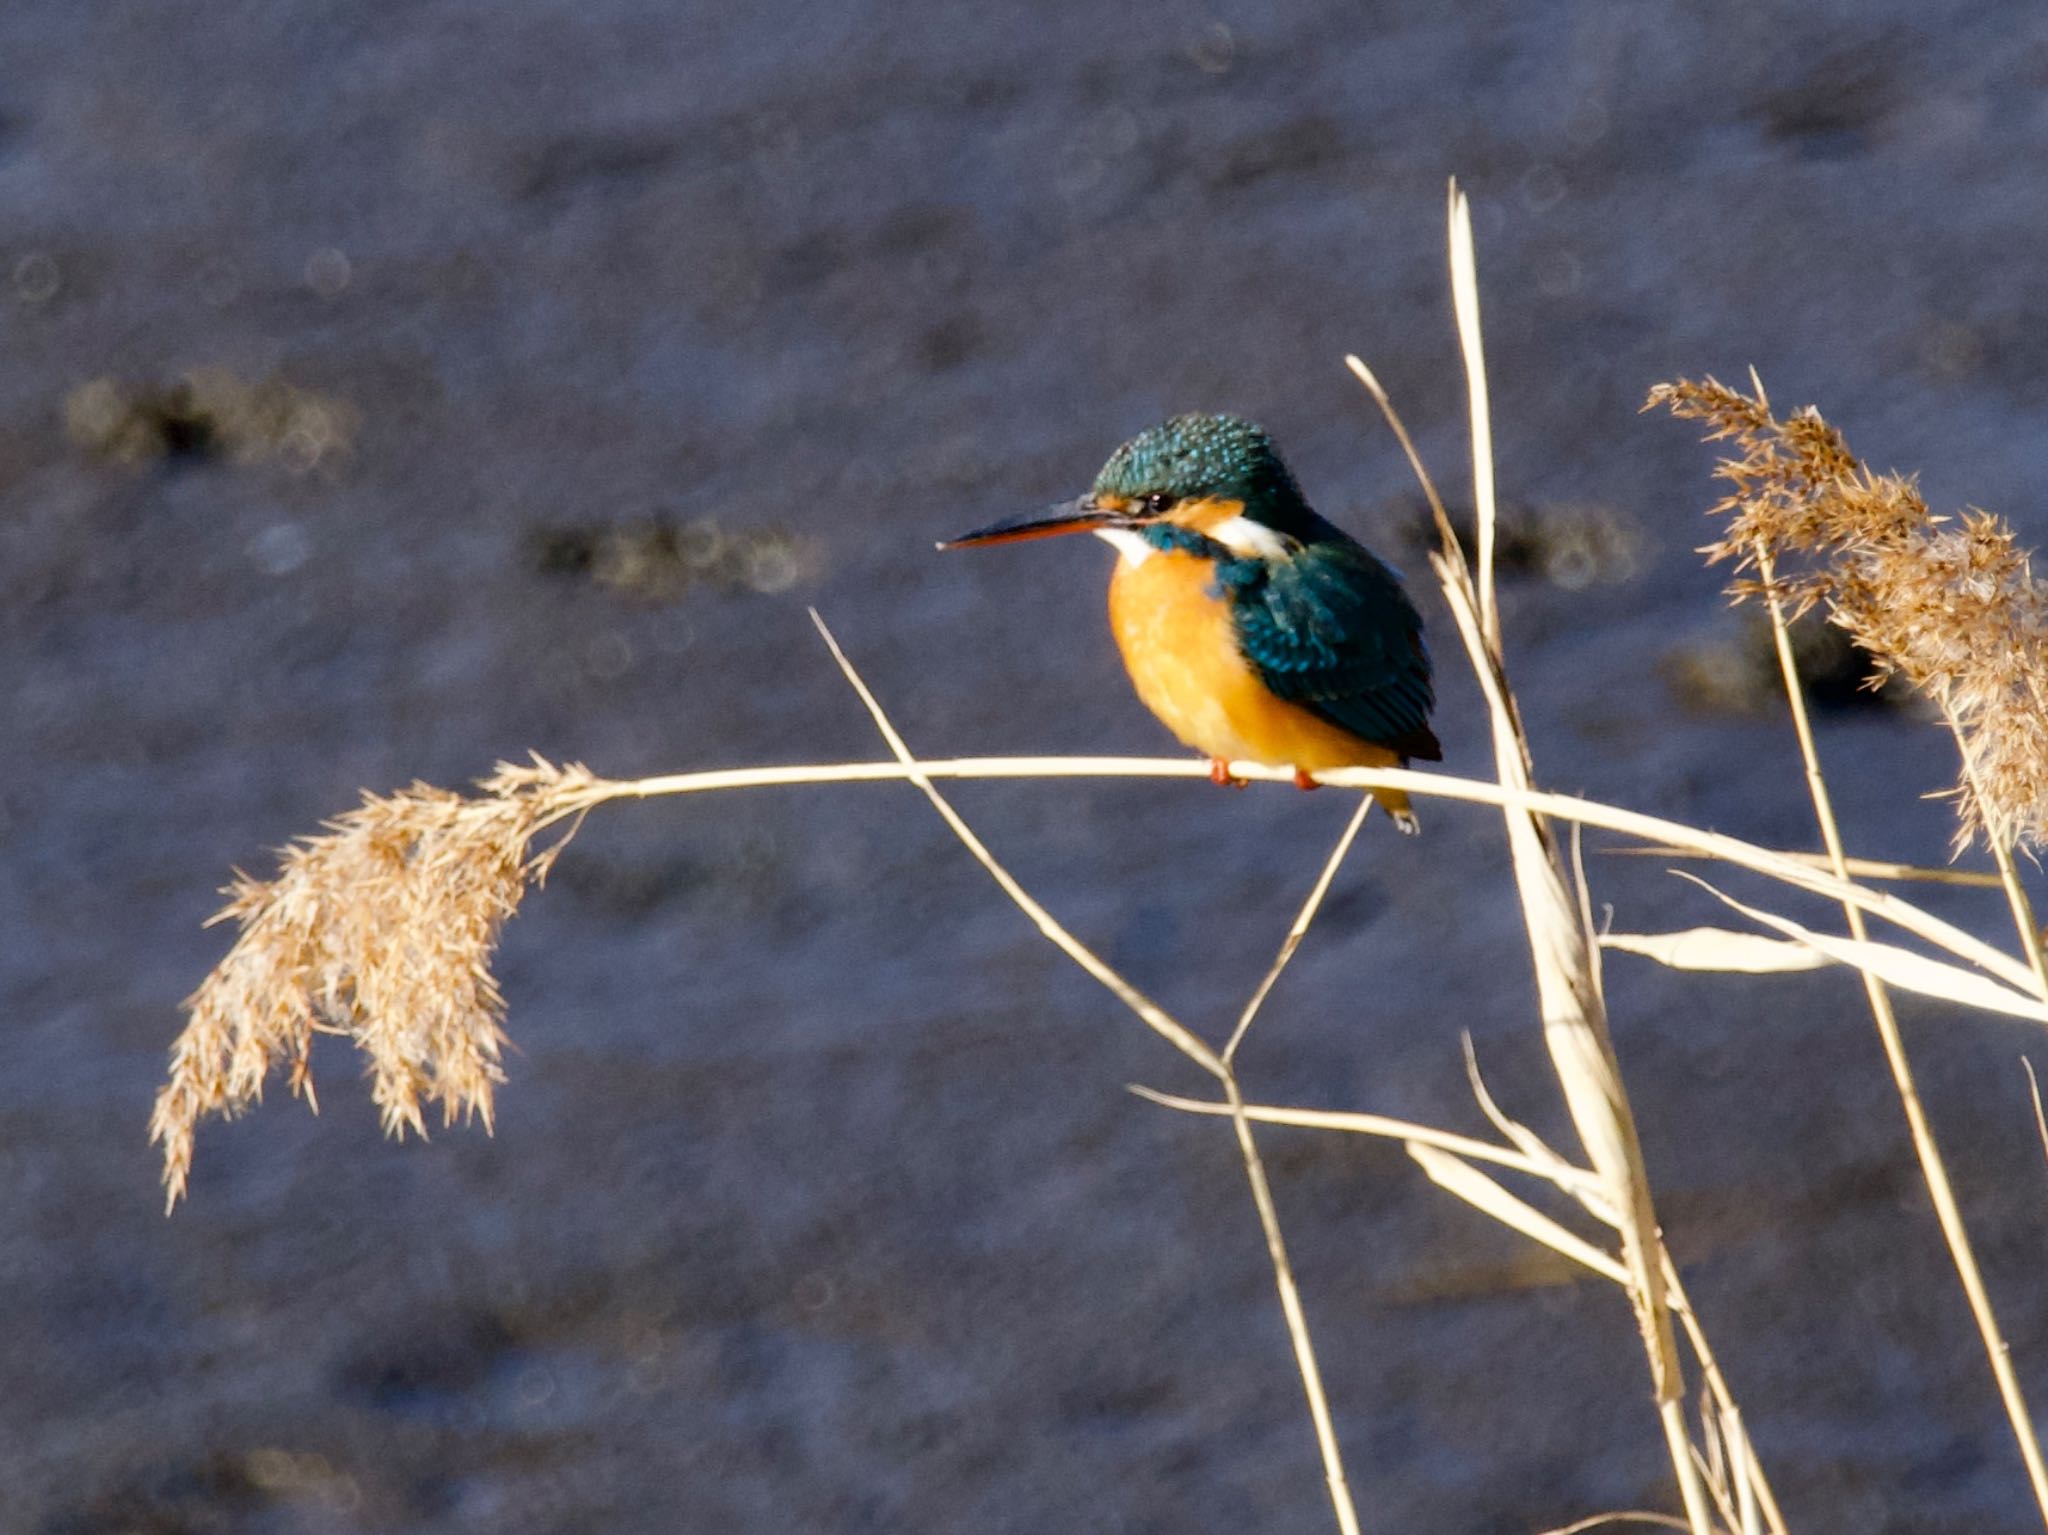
point(381, 928)
point(1949, 603)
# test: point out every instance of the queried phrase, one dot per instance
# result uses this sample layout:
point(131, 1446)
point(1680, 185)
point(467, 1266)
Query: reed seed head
point(380, 928)
point(1948, 603)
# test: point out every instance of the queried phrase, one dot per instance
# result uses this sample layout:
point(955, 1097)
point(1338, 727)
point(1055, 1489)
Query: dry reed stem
point(1756, 1487)
point(1447, 535)
point(1589, 925)
point(1151, 1013)
point(1852, 868)
point(1585, 1186)
point(1933, 1167)
point(1255, 1168)
point(1547, 1165)
point(1678, 1441)
point(1568, 988)
point(1796, 869)
point(1741, 1457)
point(1713, 1462)
point(2008, 872)
point(1297, 1318)
point(2034, 1092)
point(1567, 983)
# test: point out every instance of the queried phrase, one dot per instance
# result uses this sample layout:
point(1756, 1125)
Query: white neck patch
point(1250, 540)
point(1130, 544)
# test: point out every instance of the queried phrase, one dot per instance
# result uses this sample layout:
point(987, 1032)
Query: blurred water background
point(385, 389)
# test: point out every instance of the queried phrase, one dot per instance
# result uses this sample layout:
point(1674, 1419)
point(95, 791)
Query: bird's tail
point(1399, 810)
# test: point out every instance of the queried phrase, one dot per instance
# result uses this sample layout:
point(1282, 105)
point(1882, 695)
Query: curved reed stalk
point(257, 1009)
point(1933, 1167)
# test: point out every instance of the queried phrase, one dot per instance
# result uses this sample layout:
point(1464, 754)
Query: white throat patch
point(1130, 544)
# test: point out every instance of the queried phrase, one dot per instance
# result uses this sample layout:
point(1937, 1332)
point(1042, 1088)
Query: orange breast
point(1180, 647)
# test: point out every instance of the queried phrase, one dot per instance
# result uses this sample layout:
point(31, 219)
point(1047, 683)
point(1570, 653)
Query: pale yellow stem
point(1856, 868)
point(2001, 851)
point(1154, 1016)
point(1622, 1516)
point(1566, 963)
point(1671, 1414)
point(1553, 1170)
point(1297, 1319)
point(2040, 1115)
point(1717, 1386)
point(1932, 1166)
point(1446, 534)
point(2022, 912)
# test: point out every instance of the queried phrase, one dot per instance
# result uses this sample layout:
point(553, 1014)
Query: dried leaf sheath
point(1949, 603)
point(381, 928)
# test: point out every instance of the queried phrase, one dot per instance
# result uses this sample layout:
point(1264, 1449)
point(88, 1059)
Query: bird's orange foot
point(1219, 774)
point(1303, 781)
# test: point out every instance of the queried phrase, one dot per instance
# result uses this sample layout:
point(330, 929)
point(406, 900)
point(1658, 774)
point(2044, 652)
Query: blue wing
point(1329, 628)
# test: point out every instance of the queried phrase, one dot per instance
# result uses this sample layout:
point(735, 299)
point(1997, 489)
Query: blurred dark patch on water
point(1569, 546)
point(1737, 672)
point(384, 391)
point(207, 414)
point(654, 558)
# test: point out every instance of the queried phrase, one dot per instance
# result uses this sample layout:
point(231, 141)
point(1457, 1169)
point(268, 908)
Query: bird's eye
point(1158, 502)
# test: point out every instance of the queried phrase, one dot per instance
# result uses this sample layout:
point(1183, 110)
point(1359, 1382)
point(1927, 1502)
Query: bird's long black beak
point(1082, 515)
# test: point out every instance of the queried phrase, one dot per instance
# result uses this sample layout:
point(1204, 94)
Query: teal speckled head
point(1194, 457)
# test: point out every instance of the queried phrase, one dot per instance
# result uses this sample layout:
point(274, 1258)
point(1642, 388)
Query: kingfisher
point(1255, 630)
